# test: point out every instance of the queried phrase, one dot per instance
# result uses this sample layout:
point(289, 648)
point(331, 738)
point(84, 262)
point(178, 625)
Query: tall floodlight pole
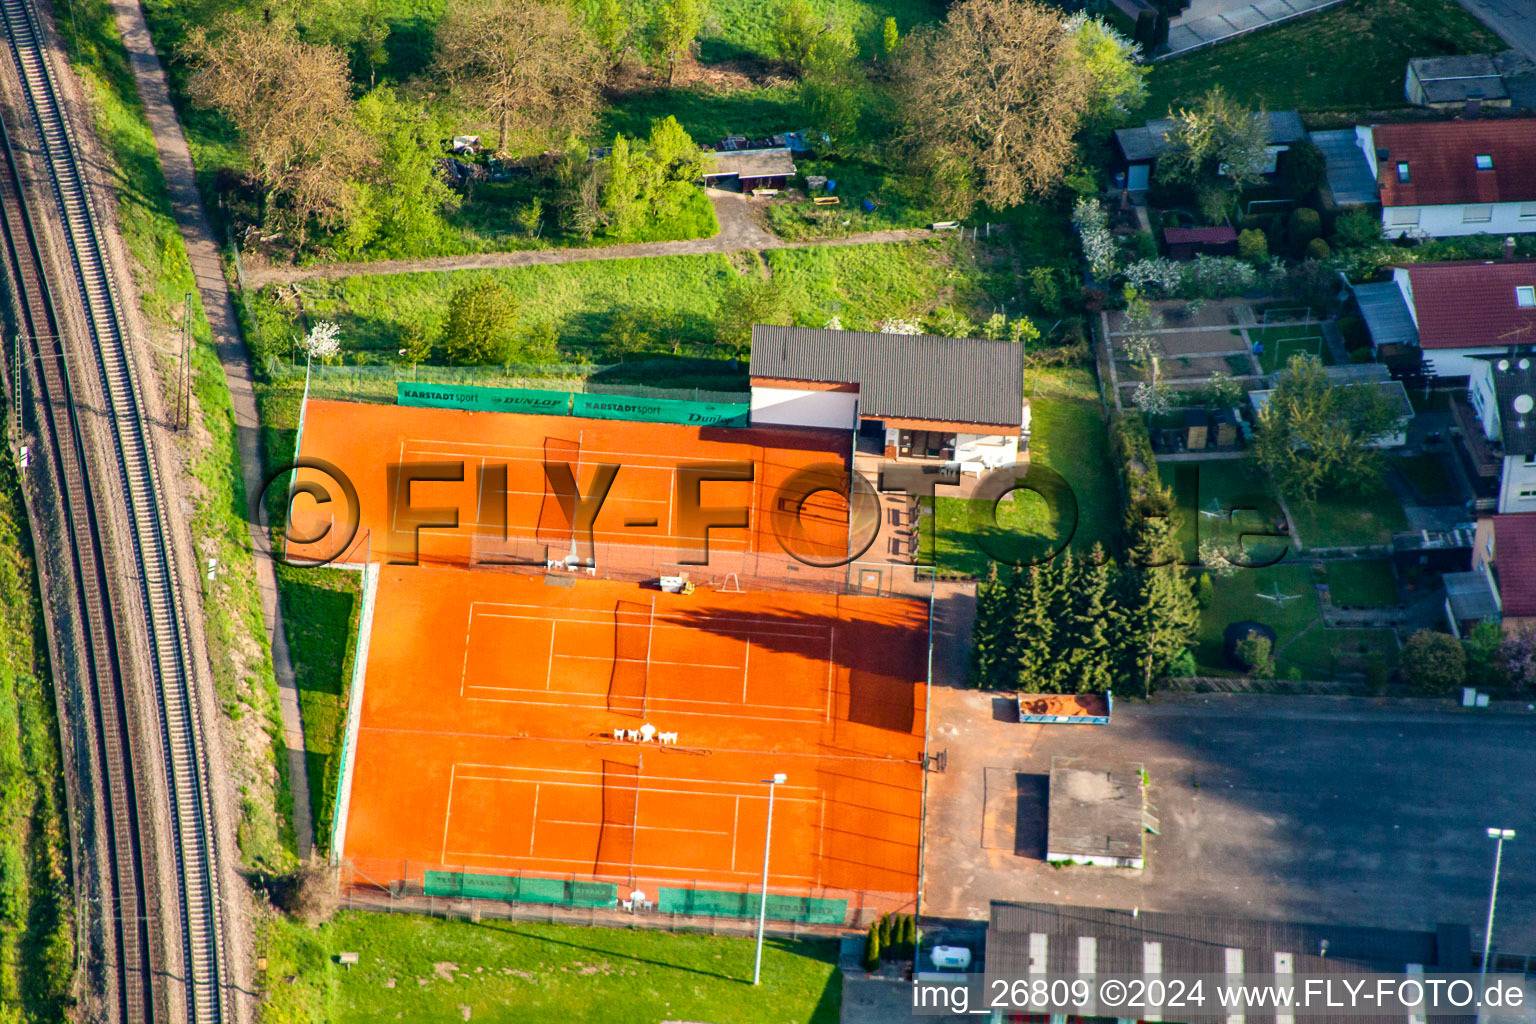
point(1498, 835)
point(762, 906)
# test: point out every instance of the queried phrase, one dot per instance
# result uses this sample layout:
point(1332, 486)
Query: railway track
point(108, 622)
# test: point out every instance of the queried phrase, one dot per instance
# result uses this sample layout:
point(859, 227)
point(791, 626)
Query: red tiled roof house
point(1458, 310)
point(1445, 178)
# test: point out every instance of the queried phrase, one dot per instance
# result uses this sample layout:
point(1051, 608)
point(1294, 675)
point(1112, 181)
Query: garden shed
point(751, 168)
point(1187, 243)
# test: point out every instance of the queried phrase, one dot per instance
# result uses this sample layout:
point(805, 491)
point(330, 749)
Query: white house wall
point(1517, 485)
point(1457, 362)
point(1480, 393)
point(1451, 220)
point(792, 407)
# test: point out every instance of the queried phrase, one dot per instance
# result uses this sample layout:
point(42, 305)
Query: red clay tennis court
point(507, 509)
point(497, 710)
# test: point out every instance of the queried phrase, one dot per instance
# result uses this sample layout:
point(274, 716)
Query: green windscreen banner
point(478, 399)
point(662, 410)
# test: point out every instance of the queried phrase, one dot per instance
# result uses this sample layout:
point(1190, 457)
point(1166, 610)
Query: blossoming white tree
point(323, 341)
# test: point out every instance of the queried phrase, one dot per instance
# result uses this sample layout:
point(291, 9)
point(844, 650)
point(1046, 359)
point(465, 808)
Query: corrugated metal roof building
point(919, 396)
point(1026, 939)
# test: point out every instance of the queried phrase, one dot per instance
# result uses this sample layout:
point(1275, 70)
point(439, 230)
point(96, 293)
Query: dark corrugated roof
point(1149, 141)
point(1386, 313)
point(1212, 236)
point(1196, 943)
point(1514, 384)
point(956, 380)
point(1349, 173)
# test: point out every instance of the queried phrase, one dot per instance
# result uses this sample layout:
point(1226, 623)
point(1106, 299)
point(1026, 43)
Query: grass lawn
point(1349, 57)
point(1320, 652)
point(1216, 486)
point(510, 973)
point(36, 922)
point(678, 296)
point(1237, 600)
point(1066, 434)
point(1284, 343)
point(1428, 475)
point(320, 613)
point(1338, 519)
point(1365, 583)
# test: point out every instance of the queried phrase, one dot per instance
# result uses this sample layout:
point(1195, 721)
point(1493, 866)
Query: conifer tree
point(1159, 604)
point(872, 947)
point(991, 634)
point(1033, 629)
point(1091, 659)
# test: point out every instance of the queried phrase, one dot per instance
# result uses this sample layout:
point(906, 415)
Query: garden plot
point(1174, 369)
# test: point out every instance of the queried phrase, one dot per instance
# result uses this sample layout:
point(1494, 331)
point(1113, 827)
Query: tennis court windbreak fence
point(412, 885)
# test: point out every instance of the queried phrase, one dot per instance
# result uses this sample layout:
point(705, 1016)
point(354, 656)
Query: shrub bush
point(1357, 229)
point(1253, 246)
point(1355, 333)
point(1304, 225)
point(872, 947)
point(1434, 663)
point(1318, 249)
point(1304, 169)
point(1205, 591)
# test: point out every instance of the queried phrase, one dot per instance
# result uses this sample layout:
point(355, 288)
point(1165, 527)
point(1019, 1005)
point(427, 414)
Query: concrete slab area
point(1297, 808)
point(1210, 21)
point(1513, 20)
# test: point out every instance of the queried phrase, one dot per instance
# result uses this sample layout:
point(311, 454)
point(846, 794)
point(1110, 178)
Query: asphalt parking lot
point(1333, 810)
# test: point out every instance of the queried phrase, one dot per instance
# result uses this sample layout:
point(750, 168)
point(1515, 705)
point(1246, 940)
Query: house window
point(1402, 171)
point(1403, 215)
point(1476, 214)
point(1485, 161)
point(1525, 295)
point(1527, 495)
point(1528, 211)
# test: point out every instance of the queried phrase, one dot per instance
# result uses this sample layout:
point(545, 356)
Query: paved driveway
point(1513, 20)
point(1334, 810)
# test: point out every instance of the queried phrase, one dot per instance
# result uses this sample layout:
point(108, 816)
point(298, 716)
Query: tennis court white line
point(468, 625)
point(735, 825)
point(643, 828)
point(751, 786)
point(661, 870)
point(607, 618)
point(448, 810)
point(635, 461)
point(599, 786)
point(658, 706)
point(549, 665)
point(533, 824)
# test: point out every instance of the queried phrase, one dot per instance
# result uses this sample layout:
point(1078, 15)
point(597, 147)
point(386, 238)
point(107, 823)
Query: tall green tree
point(1114, 64)
point(1160, 613)
point(671, 33)
point(622, 187)
point(796, 24)
point(1001, 88)
point(528, 67)
point(479, 324)
point(1090, 662)
point(1316, 432)
point(403, 198)
point(1034, 630)
point(832, 89)
point(613, 27)
point(991, 634)
point(1216, 136)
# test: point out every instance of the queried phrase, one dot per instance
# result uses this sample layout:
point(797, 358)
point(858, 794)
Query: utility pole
point(1499, 835)
point(762, 906)
point(184, 383)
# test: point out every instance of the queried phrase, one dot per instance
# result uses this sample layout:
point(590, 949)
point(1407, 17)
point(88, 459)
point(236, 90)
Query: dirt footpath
point(740, 231)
